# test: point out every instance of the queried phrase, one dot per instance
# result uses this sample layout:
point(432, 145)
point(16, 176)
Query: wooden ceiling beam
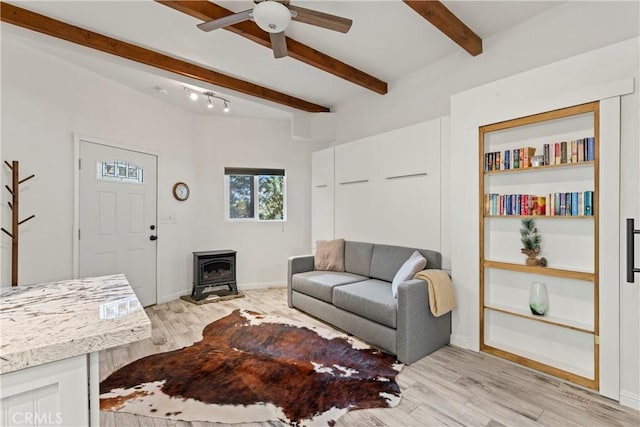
point(54, 28)
point(443, 19)
point(206, 11)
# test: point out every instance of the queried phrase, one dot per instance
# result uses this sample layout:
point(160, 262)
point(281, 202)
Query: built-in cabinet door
point(387, 187)
point(355, 213)
point(55, 393)
point(322, 194)
point(408, 186)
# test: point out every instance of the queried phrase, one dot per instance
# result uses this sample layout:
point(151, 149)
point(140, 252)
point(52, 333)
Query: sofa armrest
point(419, 331)
point(297, 264)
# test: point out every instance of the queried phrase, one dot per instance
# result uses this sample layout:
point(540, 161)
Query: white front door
point(117, 216)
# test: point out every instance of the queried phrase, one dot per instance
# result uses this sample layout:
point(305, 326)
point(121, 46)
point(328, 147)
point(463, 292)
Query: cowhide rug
point(251, 367)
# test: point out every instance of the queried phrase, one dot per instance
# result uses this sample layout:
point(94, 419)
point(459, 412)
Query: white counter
point(47, 324)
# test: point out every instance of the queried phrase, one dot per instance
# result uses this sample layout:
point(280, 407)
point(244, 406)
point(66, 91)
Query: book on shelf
point(591, 141)
point(563, 152)
point(574, 203)
point(588, 203)
point(529, 152)
point(545, 154)
point(516, 158)
point(581, 155)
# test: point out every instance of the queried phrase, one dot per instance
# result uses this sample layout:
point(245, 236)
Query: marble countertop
point(52, 321)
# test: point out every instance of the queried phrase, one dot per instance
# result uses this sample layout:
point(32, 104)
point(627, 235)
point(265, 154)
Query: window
point(255, 194)
point(116, 170)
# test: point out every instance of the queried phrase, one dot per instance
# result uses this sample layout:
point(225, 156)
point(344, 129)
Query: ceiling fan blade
point(227, 20)
point(321, 19)
point(278, 44)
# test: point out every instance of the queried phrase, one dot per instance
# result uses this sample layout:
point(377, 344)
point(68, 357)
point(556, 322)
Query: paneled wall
point(384, 188)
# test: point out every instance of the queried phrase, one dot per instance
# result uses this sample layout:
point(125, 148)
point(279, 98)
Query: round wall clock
point(181, 191)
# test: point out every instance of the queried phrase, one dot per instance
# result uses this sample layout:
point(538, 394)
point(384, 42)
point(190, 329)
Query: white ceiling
point(387, 40)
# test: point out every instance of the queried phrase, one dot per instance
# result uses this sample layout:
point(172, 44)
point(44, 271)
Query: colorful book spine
point(591, 141)
point(563, 152)
point(558, 154)
point(507, 159)
point(581, 150)
point(588, 203)
point(567, 204)
point(516, 158)
point(574, 151)
point(574, 203)
point(546, 154)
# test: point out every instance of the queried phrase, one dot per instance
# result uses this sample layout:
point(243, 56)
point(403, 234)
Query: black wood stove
point(213, 270)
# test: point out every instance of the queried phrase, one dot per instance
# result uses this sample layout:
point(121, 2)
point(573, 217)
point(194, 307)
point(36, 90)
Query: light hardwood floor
point(451, 387)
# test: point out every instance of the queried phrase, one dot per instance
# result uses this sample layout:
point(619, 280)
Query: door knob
point(153, 237)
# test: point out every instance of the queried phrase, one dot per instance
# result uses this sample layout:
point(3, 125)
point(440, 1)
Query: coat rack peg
point(15, 222)
point(26, 219)
point(26, 179)
point(10, 205)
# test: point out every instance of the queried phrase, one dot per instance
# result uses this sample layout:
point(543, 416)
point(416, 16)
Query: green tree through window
point(271, 197)
point(257, 194)
point(241, 196)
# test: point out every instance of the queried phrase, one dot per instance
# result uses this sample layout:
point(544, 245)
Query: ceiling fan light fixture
point(226, 107)
point(193, 96)
point(271, 16)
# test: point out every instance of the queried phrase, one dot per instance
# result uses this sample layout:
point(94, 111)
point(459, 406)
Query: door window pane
point(119, 171)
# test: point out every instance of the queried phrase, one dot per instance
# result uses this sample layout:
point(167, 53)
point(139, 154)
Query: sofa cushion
point(320, 284)
point(387, 260)
point(329, 255)
point(371, 299)
point(357, 257)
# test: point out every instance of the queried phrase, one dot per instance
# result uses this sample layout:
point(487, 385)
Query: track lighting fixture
point(210, 96)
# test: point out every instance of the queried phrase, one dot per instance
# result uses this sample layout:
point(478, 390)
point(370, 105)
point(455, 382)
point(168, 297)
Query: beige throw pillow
point(329, 255)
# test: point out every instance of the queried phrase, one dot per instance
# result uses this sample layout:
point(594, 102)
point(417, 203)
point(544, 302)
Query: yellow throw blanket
point(442, 299)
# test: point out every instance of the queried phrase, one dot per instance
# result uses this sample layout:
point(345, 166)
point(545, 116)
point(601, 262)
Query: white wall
point(44, 102)
point(550, 87)
point(567, 30)
point(263, 247)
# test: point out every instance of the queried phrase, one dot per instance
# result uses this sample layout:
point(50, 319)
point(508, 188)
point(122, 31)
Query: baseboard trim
point(173, 296)
point(268, 285)
point(461, 342)
point(630, 400)
point(242, 287)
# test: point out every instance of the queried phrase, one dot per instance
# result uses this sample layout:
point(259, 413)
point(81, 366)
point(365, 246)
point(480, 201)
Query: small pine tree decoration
point(531, 241)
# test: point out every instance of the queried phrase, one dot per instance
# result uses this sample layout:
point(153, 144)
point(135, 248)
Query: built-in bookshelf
point(543, 167)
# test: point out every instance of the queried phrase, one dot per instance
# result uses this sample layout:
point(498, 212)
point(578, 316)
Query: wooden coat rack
point(15, 221)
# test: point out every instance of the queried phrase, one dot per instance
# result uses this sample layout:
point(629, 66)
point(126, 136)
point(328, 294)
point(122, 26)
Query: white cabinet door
point(55, 393)
point(356, 161)
point(411, 150)
point(322, 195)
point(408, 186)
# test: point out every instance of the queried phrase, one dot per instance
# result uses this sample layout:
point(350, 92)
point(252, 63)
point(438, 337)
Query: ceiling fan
point(274, 16)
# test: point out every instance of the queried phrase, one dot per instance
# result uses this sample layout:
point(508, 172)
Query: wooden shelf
point(551, 320)
point(546, 167)
point(557, 368)
point(545, 271)
point(543, 216)
point(515, 344)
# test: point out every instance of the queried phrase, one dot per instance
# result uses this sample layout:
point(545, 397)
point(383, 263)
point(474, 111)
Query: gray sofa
point(360, 301)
